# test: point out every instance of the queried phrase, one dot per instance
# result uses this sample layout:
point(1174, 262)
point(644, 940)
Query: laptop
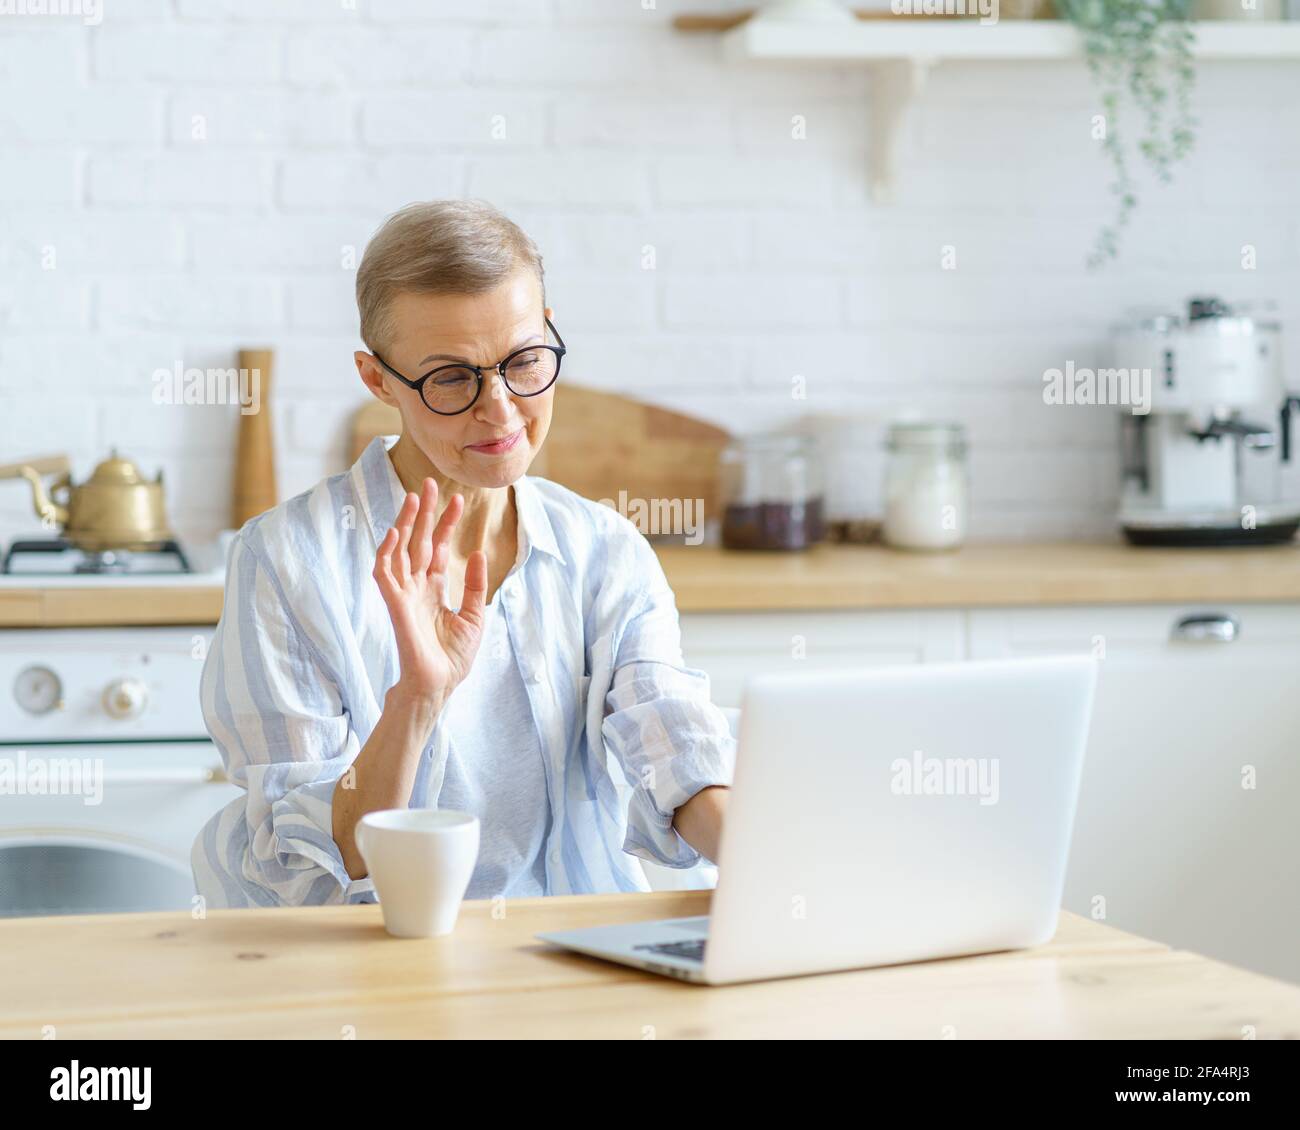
point(883, 816)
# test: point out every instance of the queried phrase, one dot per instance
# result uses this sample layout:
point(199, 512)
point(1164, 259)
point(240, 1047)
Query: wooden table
point(332, 971)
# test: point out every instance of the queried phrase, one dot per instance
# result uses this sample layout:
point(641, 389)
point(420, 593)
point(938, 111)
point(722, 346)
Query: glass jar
point(848, 446)
point(926, 486)
point(772, 493)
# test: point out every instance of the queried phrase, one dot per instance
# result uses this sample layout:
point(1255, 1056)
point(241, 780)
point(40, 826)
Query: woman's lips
point(498, 446)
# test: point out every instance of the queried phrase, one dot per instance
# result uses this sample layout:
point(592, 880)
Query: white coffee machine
point(1203, 466)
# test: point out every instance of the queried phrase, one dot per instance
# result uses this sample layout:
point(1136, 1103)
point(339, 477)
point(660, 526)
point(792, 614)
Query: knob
point(38, 690)
point(125, 698)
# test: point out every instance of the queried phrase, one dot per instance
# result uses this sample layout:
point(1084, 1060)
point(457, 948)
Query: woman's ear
point(372, 376)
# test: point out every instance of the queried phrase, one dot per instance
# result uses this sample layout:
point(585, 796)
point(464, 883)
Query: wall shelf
point(933, 41)
point(901, 53)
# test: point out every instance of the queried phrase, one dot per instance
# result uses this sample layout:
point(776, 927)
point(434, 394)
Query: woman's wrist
point(699, 820)
point(418, 703)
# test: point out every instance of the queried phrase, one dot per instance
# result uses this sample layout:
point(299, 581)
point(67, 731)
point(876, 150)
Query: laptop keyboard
point(692, 950)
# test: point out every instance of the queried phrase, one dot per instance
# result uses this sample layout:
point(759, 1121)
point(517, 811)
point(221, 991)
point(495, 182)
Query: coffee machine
point(1204, 465)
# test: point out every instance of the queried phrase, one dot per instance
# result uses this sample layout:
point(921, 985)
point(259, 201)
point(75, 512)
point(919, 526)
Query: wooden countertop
point(315, 973)
point(835, 576)
point(108, 605)
point(708, 579)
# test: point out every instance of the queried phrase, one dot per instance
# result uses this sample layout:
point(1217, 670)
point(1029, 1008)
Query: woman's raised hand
point(435, 646)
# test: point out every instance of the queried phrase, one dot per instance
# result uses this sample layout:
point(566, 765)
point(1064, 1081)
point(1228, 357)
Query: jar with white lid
point(927, 493)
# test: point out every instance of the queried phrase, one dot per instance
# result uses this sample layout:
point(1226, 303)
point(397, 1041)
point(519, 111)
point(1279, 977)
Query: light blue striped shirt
point(296, 675)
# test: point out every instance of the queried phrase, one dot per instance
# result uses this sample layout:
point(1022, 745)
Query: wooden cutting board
point(602, 443)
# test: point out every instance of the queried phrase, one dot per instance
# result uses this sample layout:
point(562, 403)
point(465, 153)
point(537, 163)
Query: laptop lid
point(899, 814)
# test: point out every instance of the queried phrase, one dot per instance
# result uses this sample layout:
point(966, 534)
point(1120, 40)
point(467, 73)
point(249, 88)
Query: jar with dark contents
point(772, 493)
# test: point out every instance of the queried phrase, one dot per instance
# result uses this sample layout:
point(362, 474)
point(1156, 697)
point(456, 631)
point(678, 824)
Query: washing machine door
point(113, 837)
point(86, 874)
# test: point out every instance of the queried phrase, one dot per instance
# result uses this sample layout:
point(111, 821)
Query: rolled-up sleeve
point(667, 735)
point(273, 708)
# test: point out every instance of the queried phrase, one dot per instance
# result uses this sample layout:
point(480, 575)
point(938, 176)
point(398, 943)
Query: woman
point(433, 628)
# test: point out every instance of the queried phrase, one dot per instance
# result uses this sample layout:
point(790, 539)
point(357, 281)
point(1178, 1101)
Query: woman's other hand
point(435, 646)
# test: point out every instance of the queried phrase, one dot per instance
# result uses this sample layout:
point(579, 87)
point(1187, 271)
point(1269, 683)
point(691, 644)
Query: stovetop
point(57, 557)
point(52, 560)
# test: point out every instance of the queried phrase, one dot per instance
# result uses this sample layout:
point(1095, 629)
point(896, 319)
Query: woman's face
point(492, 443)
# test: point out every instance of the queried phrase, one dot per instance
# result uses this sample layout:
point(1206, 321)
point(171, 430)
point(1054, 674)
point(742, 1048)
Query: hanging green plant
point(1143, 47)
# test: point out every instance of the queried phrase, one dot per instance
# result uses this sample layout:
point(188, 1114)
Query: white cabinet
point(1188, 827)
point(732, 646)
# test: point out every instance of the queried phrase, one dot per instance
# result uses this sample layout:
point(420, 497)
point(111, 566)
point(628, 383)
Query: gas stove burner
point(105, 561)
point(59, 557)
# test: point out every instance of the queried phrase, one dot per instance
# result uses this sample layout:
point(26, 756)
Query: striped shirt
point(295, 678)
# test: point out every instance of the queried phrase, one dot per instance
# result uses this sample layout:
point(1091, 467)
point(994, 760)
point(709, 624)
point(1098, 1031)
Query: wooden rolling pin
point(255, 450)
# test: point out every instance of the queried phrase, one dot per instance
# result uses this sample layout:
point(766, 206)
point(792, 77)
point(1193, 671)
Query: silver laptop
point(883, 816)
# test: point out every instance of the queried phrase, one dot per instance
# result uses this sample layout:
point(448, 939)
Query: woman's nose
point(497, 404)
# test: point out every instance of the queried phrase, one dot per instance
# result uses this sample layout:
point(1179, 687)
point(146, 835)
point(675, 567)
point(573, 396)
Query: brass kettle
point(117, 508)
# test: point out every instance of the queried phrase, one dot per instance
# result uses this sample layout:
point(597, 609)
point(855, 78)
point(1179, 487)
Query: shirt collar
point(381, 494)
point(534, 519)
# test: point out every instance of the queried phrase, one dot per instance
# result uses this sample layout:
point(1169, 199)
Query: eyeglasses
point(450, 390)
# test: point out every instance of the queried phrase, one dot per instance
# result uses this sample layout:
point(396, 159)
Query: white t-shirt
point(496, 769)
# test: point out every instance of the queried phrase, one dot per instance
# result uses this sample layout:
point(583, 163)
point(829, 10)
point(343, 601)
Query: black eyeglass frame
point(500, 368)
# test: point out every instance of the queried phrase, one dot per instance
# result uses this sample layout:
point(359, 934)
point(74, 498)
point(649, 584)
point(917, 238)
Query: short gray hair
point(438, 247)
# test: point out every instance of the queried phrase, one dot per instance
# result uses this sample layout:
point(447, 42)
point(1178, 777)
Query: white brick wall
point(192, 176)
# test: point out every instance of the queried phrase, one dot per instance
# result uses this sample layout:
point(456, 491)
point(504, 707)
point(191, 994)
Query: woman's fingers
point(471, 604)
point(401, 562)
point(421, 549)
point(383, 564)
point(441, 548)
point(394, 598)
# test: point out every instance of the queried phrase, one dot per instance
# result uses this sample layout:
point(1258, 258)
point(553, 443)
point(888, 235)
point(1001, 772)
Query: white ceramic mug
point(421, 860)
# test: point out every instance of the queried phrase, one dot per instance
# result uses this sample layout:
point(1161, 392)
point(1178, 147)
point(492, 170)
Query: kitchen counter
point(323, 972)
point(708, 579)
point(866, 577)
point(72, 602)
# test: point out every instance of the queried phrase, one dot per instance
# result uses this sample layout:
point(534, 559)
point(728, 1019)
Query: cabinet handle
point(1214, 627)
point(176, 776)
